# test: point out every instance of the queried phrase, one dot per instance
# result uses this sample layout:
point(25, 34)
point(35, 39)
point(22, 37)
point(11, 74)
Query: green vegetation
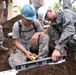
point(56, 7)
point(74, 8)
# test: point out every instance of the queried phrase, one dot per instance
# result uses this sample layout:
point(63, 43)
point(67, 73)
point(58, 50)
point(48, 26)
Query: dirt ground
point(66, 68)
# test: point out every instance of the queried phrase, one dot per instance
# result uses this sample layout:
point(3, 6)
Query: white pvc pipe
point(9, 72)
point(9, 34)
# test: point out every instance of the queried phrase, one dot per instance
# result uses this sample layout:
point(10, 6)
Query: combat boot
point(4, 48)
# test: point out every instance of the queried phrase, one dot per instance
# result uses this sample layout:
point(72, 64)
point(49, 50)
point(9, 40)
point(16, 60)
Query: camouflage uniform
point(62, 32)
point(41, 48)
point(2, 7)
point(66, 3)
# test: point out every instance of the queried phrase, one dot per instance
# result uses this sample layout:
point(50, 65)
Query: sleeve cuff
point(59, 48)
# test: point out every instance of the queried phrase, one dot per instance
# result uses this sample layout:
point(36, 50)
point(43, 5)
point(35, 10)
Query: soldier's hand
point(34, 39)
point(55, 55)
point(29, 54)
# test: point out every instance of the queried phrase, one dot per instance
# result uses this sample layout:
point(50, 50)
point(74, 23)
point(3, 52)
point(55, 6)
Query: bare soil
point(66, 68)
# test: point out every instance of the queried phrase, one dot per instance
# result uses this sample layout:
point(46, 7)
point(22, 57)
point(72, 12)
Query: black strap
point(34, 26)
point(20, 27)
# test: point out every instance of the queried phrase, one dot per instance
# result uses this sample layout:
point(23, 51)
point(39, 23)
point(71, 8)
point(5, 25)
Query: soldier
point(66, 3)
point(62, 32)
point(2, 7)
point(37, 4)
point(28, 35)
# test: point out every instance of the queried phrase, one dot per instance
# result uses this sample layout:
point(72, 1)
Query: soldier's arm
point(60, 2)
point(73, 1)
point(30, 2)
point(67, 33)
point(43, 2)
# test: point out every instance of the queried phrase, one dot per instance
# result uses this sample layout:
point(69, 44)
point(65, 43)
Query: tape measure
point(34, 56)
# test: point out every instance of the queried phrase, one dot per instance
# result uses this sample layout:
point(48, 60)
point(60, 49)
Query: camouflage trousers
point(43, 48)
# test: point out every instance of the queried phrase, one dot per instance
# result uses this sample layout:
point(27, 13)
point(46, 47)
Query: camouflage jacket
point(64, 25)
point(66, 3)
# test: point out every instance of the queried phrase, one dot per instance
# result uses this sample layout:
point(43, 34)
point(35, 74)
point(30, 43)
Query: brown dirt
point(66, 68)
